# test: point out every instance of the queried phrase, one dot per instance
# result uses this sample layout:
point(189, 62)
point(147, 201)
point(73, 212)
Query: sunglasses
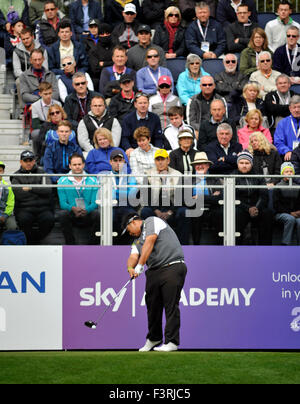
point(50, 9)
point(265, 60)
point(173, 15)
point(129, 13)
point(152, 56)
point(207, 85)
point(67, 64)
point(138, 95)
point(55, 113)
point(164, 86)
point(292, 36)
point(195, 63)
point(230, 61)
point(82, 83)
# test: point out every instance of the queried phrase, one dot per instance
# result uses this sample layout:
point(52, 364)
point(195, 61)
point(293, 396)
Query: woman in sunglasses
point(170, 35)
point(147, 77)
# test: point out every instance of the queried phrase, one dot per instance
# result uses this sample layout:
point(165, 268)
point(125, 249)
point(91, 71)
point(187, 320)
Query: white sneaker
point(167, 347)
point(149, 345)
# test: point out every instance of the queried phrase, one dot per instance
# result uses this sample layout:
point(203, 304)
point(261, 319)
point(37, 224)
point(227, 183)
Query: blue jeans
point(289, 223)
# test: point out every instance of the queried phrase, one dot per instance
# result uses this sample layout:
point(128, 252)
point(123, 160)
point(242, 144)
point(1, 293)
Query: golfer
point(157, 245)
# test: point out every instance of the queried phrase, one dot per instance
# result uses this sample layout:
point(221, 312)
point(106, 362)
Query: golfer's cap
point(164, 80)
point(130, 8)
point(2, 164)
point(27, 154)
point(124, 78)
point(116, 153)
point(128, 219)
point(161, 153)
point(145, 28)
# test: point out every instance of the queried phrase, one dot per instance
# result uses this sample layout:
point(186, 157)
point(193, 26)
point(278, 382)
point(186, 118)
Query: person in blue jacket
point(56, 157)
point(81, 11)
point(205, 36)
point(65, 40)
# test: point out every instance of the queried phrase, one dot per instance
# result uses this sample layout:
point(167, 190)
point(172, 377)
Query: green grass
point(149, 368)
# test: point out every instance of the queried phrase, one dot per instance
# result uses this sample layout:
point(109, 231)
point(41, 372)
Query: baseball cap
point(161, 153)
point(124, 78)
point(116, 153)
point(2, 164)
point(94, 21)
point(144, 28)
point(130, 7)
point(127, 220)
point(164, 80)
point(27, 154)
point(185, 133)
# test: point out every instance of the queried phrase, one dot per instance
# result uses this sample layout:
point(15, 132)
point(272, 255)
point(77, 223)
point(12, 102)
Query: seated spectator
point(47, 26)
point(266, 159)
point(32, 77)
point(254, 201)
point(177, 124)
point(122, 103)
point(56, 114)
point(140, 117)
point(137, 54)
point(78, 204)
point(110, 76)
point(33, 206)
point(240, 105)
point(78, 103)
point(208, 128)
point(65, 80)
point(277, 102)
point(142, 158)
point(163, 100)
point(286, 135)
point(13, 38)
point(238, 33)
point(286, 57)
point(114, 11)
point(231, 80)
point(170, 35)
point(258, 43)
point(66, 46)
point(7, 204)
point(223, 151)
point(147, 77)
point(21, 54)
point(276, 29)
point(187, 8)
point(91, 39)
point(162, 190)
point(188, 82)
point(81, 11)
point(213, 212)
point(101, 55)
point(286, 205)
point(227, 11)
point(97, 117)
point(205, 36)
point(181, 158)
point(98, 158)
point(125, 33)
point(253, 121)
point(198, 107)
point(124, 190)
point(153, 11)
point(13, 9)
point(56, 158)
point(37, 8)
point(265, 75)
point(39, 111)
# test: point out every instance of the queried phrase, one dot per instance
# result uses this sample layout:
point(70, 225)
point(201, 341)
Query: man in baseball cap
point(27, 155)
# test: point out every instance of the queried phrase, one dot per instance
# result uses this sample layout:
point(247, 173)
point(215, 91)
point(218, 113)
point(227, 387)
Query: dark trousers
point(67, 220)
point(163, 289)
point(264, 223)
point(43, 219)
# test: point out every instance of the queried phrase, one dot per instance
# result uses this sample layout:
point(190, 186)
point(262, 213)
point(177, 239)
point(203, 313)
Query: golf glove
point(139, 269)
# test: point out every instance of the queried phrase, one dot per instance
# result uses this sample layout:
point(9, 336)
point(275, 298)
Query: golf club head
point(90, 324)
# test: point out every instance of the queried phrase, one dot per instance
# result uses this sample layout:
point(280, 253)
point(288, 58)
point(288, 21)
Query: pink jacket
point(244, 134)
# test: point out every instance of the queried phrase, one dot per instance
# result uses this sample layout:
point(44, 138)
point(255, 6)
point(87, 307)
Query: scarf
point(172, 31)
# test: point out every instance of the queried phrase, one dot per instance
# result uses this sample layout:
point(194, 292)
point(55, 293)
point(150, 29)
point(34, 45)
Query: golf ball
point(93, 327)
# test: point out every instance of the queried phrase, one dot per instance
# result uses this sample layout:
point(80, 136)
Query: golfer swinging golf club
point(156, 244)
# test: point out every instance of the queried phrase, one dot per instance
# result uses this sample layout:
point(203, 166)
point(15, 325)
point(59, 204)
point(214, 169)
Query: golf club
point(93, 324)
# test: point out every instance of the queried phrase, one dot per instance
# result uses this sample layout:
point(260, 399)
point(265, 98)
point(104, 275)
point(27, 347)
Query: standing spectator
point(286, 204)
point(276, 29)
point(33, 205)
point(265, 75)
point(176, 125)
point(170, 35)
point(123, 103)
point(7, 204)
point(66, 46)
point(188, 82)
point(205, 36)
point(238, 33)
point(153, 11)
point(140, 117)
point(137, 54)
point(78, 204)
point(147, 77)
point(227, 11)
point(114, 10)
point(81, 11)
point(254, 121)
point(125, 33)
point(249, 56)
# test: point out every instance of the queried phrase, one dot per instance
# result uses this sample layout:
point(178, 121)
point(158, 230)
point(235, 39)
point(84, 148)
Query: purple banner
point(233, 298)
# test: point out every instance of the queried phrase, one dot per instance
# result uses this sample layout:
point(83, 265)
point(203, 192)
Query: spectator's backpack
point(13, 237)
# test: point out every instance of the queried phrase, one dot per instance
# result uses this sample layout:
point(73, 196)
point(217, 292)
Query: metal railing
point(106, 203)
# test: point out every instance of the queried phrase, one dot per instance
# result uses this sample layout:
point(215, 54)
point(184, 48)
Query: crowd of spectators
point(97, 84)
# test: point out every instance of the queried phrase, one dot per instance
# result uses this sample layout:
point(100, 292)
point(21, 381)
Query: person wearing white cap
point(286, 204)
point(125, 33)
